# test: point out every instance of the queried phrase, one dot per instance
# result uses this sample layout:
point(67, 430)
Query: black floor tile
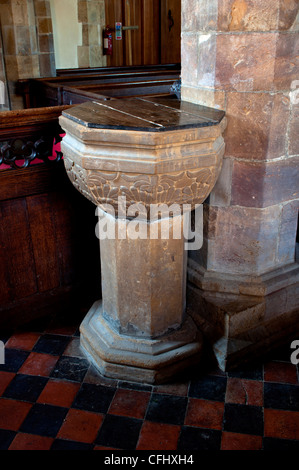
point(283, 353)
point(70, 368)
point(93, 397)
point(6, 438)
point(281, 396)
point(167, 409)
point(208, 388)
point(119, 432)
point(135, 386)
point(250, 372)
point(197, 439)
point(270, 443)
point(94, 393)
point(61, 444)
point(44, 420)
point(14, 359)
point(244, 419)
point(51, 344)
point(4, 336)
point(25, 387)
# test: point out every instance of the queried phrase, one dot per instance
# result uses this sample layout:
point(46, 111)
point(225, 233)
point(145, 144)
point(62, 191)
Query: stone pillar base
point(256, 286)
point(138, 359)
point(240, 327)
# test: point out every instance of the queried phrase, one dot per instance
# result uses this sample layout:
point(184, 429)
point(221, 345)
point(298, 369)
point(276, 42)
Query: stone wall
point(27, 42)
point(45, 43)
point(4, 100)
point(91, 13)
point(242, 56)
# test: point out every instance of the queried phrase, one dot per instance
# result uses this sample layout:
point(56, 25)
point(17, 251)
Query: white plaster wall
point(67, 32)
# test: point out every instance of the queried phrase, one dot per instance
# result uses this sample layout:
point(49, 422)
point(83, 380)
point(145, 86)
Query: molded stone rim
point(102, 342)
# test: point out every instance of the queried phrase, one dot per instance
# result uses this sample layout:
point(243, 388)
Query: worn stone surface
point(287, 61)
point(248, 15)
point(293, 144)
point(251, 217)
point(241, 240)
point(144, 280)
point(221, 193)
point(288, 232)
point(265, 184)
point(149, 152)
point(199, 16)
point(136, 359)
point(288, 13)
point(241, 328)
point(215, 282)
point(82, 11)
point(190, 50)
point(46, 43)
point(257, 125)
point(42, 8)
point(245, 62)
point(28, 43)
point(8, 36)
point(91, 16)
point(179, 166)
point(204, 96)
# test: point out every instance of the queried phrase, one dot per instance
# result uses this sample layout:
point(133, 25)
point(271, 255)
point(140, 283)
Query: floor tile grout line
point(187, 396)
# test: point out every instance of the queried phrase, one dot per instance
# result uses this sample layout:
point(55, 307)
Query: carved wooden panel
point(49, 255)
point(20, 152)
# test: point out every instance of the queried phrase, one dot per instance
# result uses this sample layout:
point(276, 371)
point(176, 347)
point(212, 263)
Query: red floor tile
point(265, 398)
point(82, 426)
point(5, 379)
point(30, 442)
point(280, 372)
point(156, 436)
point(234, 441)
point(281, 424)
point(39, 364)
point(129, 403)
point(59, 393)
point(13, 413)
point(204, 413)
point(244, 392)
point(25, 341)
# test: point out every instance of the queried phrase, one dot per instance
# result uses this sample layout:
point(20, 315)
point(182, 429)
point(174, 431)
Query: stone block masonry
point(241, 56)
point(28, 42)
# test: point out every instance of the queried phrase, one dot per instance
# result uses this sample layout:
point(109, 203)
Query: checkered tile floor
point(52, 399)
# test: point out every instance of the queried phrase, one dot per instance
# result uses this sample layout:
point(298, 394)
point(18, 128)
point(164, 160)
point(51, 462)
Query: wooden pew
point(47, 257)
point(103, 70)
point(118, 82)
point(79, 94)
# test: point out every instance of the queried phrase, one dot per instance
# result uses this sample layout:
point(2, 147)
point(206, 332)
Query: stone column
point(91, 13)
point(27, 42)
point(140, 331)
point(242, 56)
point(45, 42)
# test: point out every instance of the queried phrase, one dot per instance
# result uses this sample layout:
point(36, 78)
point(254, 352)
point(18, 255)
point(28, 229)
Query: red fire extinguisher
point(107, 38)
